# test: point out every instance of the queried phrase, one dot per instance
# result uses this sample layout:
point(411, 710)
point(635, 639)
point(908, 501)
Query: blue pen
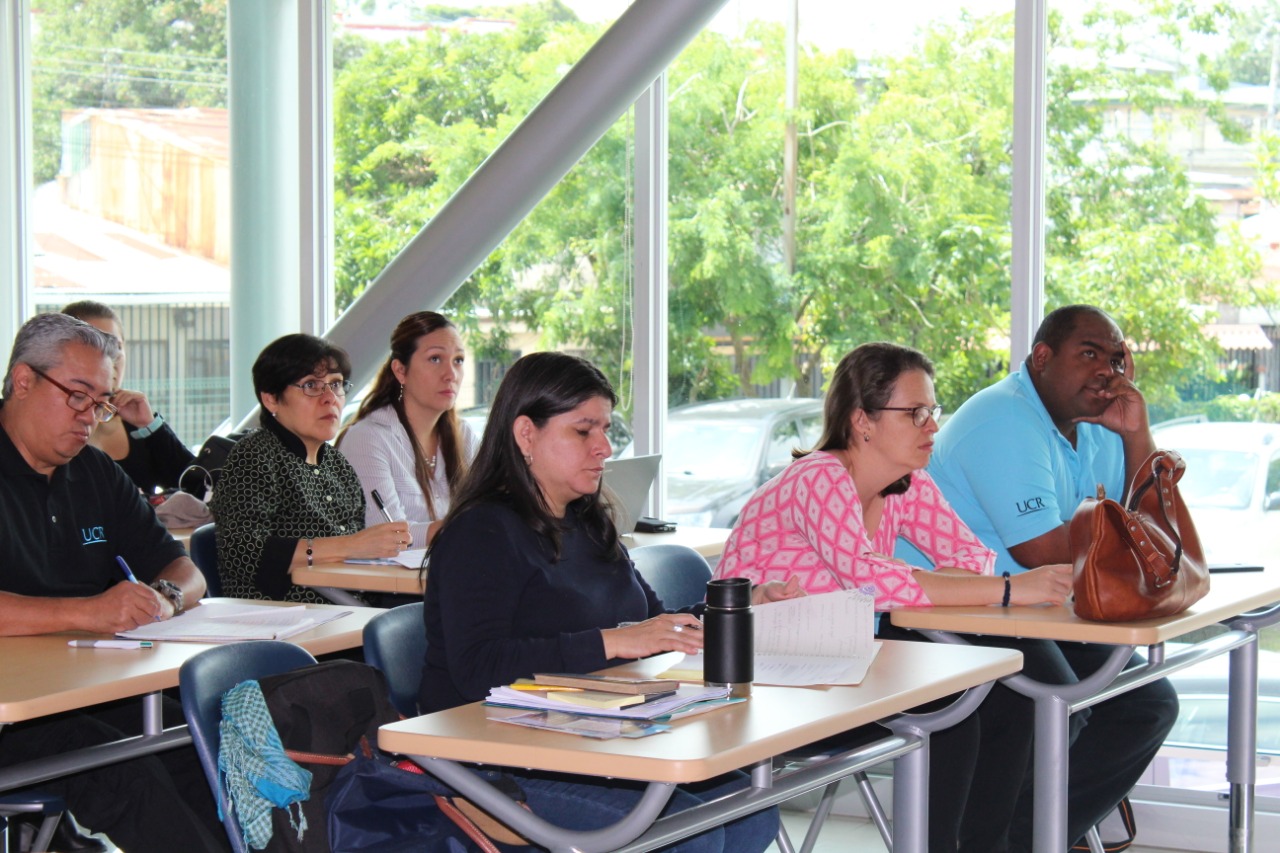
point(128, 572)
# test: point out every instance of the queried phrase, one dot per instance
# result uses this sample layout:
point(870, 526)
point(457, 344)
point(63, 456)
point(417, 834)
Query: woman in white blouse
point(407, 441)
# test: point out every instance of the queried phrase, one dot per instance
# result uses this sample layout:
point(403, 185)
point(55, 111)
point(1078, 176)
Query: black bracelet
point(1004, 602)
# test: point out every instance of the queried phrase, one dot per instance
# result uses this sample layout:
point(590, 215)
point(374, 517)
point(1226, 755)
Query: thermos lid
point(729, 593)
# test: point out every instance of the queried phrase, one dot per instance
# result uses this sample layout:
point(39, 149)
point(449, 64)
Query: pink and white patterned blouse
point(807, 521)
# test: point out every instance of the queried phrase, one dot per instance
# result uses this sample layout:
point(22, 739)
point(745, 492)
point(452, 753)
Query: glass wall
point(130, 205)
point(419, 101)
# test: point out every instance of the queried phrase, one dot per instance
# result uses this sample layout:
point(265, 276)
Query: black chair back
point(203, 548)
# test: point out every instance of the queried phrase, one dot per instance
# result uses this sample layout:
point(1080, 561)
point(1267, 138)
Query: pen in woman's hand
point(382, 508)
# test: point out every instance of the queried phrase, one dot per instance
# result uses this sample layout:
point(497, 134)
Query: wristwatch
point(171, 591)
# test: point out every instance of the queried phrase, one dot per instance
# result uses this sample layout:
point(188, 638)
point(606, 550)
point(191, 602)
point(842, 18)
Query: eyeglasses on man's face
point(920, 415)
point(79, 401)
point(316, 388)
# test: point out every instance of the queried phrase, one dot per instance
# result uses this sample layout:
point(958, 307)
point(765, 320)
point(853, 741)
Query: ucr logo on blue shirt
point(1030, 505)
point(93, 535)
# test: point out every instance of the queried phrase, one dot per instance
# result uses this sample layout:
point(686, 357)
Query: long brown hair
point(864, 379)
point(387, 392)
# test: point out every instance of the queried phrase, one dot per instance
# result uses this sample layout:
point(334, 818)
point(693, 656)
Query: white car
point(1231, 486)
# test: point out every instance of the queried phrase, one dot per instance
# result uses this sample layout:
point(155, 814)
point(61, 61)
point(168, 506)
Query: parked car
point(1231, 486)
point(717, 454)
point(619, 430)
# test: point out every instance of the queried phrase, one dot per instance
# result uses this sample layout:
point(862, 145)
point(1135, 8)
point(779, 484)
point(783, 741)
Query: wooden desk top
point(774, 721)
point(1230, 594)
point(359, 577)
point(707, 541)
point(42, 675)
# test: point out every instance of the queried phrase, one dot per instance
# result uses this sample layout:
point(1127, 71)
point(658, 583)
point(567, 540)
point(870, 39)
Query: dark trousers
point(159, 803)
point(1112, 743)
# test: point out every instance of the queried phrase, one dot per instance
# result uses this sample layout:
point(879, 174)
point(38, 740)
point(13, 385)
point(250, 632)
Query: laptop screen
point(630, 480)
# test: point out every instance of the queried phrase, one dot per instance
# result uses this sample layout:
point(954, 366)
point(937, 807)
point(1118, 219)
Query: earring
point(275, 414)
point(528, 460)
point(401, 397)
point(866, 436)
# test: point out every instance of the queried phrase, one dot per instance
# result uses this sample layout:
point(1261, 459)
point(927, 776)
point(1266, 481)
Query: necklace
point(431, 465)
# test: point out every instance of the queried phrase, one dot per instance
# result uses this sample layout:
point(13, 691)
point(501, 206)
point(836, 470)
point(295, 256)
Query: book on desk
point(815, 640)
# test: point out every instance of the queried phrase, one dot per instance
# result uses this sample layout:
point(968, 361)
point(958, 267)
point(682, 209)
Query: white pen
point(382, 508)
point(110, 644)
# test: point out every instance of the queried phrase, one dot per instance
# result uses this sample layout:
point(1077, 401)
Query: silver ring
point(678, 628)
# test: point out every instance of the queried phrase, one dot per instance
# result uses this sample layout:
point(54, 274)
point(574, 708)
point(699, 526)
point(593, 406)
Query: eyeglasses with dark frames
point(920, 415)
point(316, 388)
point(79, 401)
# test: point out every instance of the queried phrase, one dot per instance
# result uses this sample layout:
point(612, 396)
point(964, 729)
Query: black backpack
point(322, 712)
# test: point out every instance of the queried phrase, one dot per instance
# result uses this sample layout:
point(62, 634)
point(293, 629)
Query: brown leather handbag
point(1141, 560)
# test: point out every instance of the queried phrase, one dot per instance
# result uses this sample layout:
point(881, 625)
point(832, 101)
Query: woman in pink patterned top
point(832, 517)
point(831, 520)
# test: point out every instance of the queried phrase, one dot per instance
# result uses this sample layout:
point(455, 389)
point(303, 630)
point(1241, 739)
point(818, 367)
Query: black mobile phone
point(654, 525)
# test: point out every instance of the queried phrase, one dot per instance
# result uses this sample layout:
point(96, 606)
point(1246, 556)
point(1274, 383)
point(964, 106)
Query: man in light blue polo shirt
point(1015, 461)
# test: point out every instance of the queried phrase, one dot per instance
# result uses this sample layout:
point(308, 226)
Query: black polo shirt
point(60, 535)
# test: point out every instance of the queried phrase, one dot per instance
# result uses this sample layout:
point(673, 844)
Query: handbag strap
point(1162, 468)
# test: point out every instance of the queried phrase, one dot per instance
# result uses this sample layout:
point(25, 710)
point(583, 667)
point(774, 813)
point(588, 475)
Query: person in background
point(68, 515)
point(528, 575)
point(286, 498)
point(833, 517)
point(139, 440)
point(407, 441)
point(1015, 461)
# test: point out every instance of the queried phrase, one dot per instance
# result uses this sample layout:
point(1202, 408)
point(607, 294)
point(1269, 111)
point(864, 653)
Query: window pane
point(902, 183)
point(131, 201)
point(1156, 127)
point(563, 278)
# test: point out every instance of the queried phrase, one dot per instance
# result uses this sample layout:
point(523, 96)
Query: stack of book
point(584, 704)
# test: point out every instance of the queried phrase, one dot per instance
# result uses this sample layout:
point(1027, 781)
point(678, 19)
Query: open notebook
point(217, 622)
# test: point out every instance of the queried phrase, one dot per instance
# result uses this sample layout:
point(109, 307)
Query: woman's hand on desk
point(670, 632)
point(1047, 584)
point(381, 540)
point(777, 591)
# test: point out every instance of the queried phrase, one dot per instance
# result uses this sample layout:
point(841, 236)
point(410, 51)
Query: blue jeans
point(568, 802)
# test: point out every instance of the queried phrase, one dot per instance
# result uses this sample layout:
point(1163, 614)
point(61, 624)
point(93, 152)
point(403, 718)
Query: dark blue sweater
point(499, 608)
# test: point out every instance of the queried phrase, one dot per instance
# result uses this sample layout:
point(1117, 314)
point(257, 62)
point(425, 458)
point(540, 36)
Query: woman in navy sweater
point(527, 575)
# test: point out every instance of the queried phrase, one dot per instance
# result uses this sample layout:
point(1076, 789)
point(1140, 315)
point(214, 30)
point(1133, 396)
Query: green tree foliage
point(903, 213)
point(123, 53)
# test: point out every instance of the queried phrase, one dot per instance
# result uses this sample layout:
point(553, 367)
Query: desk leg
point(1051, 751)
point(153, 713)
point(1242, 736)
point(911, 800)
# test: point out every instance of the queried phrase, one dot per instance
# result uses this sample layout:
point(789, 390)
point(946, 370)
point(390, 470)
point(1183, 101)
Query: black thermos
point(728, 635)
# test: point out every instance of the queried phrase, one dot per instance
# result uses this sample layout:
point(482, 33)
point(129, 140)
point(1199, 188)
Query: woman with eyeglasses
point(833, 516)
point(286, 498)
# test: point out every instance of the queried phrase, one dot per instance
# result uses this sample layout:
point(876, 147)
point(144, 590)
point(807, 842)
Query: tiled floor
point(852, 835)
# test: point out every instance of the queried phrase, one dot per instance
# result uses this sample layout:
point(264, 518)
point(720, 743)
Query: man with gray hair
point(71, 520)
